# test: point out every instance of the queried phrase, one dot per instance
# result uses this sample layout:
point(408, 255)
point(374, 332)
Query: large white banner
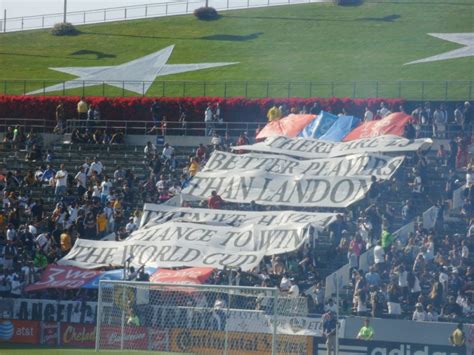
point(177, 244)
point(154, 214)
point(383, 167)
point(279, 189)
point(314, 148)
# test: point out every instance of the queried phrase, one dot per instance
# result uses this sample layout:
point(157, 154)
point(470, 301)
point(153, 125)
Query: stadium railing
point(125, 13)
point(174, 128)
point(407, 89)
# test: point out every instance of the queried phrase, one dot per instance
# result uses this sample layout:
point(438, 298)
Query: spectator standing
point(329, 332)
point(368, 115)
point(96, 167)
point(60, 119)
point(82, 109)
point(274, 113)
point(208, 120)
point(60, 182)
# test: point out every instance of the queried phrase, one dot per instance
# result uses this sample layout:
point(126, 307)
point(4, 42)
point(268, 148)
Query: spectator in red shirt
point(242, 140)
point(215, 201)
point(201, 152)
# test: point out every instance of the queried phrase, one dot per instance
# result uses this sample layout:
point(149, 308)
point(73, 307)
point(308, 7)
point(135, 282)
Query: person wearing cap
point(366, 332)
point(419, 314)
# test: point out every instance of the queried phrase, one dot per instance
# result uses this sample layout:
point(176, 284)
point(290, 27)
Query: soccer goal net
point(198, 319)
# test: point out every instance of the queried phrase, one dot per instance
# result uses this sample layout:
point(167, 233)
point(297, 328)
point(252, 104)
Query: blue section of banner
point(113, 275)
point(319, 126)
point(340, 128)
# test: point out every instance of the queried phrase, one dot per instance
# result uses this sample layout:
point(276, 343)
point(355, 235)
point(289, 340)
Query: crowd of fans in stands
point(429, 276)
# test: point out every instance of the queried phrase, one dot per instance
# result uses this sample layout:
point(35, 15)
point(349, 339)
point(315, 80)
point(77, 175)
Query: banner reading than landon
point(154, 214)
point(279, 189)
point(383, 167)
point(176, 244)
point(313, 148)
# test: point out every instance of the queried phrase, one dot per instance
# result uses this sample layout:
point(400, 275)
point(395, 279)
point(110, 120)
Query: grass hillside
point(310, 42)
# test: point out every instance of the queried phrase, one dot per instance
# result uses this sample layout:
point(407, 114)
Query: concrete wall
point(404, 331)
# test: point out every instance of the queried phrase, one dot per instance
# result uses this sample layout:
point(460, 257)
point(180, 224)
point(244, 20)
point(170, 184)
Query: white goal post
point(211, 319)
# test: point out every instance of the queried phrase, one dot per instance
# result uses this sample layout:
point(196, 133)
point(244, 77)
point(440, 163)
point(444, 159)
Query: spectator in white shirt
point(419, 314)
point(368, 115)
point(294, 290)
point(383, 111)
point(16, 287)
point(61, 181)
point(167, 153)
point(330, 306)
point(131, 226)
point(431, 314)
point(105, 186)
point(96, 166)
point(149, 150)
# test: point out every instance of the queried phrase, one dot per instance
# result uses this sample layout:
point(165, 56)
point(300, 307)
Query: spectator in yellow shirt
point(101, 224)
point(273, 113)
point(193, 167)
point(82, 108)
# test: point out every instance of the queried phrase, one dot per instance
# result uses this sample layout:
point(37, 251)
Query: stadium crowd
point(428, 277)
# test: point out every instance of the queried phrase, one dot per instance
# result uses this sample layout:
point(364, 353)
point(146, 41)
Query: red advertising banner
point(392, 124)
point(19, 331)
point(78, 335)
point(189, 276)
point(49, 333)
point(158, 339)
point(135, 338)
point(58, 276)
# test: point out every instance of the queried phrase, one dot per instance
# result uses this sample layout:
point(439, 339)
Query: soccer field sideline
point(65, 351)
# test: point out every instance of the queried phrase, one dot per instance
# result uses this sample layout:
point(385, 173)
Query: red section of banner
point(392, 124)
point(78, 335)
point(289, 126)
point(50, 333)
point(58, 276)
point(191, 276)
point(19, 331)
point(135, 338)
point(158, 339)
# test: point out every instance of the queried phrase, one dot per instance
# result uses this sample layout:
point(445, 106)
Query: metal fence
point(415, 90)
point(175, 128)
point(125, 13)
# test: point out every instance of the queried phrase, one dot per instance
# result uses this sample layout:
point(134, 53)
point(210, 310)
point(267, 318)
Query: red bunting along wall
point(138, 108)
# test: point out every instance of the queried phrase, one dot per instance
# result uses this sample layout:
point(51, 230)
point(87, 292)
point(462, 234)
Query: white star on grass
point(137, 75)
point(466, 39)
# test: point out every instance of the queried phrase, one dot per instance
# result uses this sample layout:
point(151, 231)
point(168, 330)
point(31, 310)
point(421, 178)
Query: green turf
point(310, 42)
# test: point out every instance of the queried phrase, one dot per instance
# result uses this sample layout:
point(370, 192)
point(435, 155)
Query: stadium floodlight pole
point(65, 11)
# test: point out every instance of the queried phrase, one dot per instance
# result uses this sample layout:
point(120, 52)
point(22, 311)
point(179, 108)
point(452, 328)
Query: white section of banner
point(177, 244)
point(154, 214)
point(259, 322)
point(380, 166)
point(429, 217)
point(279, 189)
point(314, 148)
